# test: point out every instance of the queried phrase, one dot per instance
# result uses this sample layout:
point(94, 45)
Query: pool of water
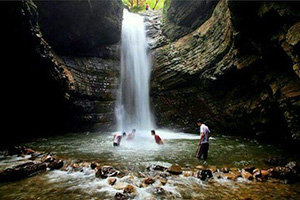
point(133, 157)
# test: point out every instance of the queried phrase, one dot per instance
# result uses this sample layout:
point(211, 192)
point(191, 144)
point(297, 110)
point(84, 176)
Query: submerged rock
point(21, 171)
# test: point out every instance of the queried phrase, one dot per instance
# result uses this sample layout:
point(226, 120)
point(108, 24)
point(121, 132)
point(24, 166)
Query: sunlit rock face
point(60, 88)
point(238, 70)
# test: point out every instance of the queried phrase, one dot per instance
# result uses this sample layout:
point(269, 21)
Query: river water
point(133, 157)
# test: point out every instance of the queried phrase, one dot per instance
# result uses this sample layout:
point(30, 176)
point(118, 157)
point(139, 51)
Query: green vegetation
point(140, 5)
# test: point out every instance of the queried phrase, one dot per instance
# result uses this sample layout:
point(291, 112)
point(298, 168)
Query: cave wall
point(238, 70)
point(56, 89)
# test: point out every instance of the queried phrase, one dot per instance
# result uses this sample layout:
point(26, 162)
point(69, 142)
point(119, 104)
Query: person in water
point(147, 6)
point(158, 140)
point(204, 137)
point(117, 139)
point(131, 135)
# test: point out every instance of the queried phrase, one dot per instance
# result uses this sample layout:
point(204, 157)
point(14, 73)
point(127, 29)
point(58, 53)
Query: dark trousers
point(203, 151)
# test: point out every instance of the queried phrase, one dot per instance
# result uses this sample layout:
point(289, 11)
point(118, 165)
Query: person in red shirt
point(158, 140)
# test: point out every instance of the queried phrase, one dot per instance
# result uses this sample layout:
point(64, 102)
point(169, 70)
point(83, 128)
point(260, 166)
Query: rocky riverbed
point(26, 169)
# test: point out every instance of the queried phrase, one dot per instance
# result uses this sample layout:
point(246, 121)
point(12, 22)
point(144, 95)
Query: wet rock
point(175, 169)
point(36, 155)
point(106, 171)
point(163, 181)
point(188, 173)
point(257, 174)
point(246, 175)
point(111, 181)
point(153, 167)
point(56, 164)
point(120, 185)
point(94, 165)
point(129, 189)
point(21, 171)
point(264, 174)
point(204, 174)
point(249, 169)
point(164, 174)
point(200, 167)
point(48, 157)
point(213, 169)
point(121, 196)
point(225, 170)
point(230, 176)
point(149, 181)
point(158, 190)
point(28, 151)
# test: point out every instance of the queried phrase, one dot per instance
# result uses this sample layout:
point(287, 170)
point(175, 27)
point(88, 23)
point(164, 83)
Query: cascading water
point(133, 105)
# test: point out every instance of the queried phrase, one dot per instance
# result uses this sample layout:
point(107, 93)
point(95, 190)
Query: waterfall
point(133, 104)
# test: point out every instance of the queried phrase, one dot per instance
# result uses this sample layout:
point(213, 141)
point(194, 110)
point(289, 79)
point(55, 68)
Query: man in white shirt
point(204, 137)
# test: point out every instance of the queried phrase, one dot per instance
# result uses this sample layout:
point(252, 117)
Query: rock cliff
point(238, 70)
point(52, 89)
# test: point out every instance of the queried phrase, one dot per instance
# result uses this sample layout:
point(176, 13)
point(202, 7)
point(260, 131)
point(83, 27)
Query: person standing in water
point(117, 139)
point(203, 143)
point(147, 6)
point(131, 135)
point(158, 140)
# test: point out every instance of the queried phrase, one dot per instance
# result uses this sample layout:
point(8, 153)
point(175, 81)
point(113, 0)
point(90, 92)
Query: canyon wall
point(238, 69)
point(62, 65)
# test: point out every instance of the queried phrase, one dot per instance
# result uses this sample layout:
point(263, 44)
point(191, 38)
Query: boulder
point(106, 171)
point(175, 169)
point(21, 171)
point(246, 175)
point(56, 164)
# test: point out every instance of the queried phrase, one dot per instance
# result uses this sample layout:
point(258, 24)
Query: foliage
point(140, 5)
